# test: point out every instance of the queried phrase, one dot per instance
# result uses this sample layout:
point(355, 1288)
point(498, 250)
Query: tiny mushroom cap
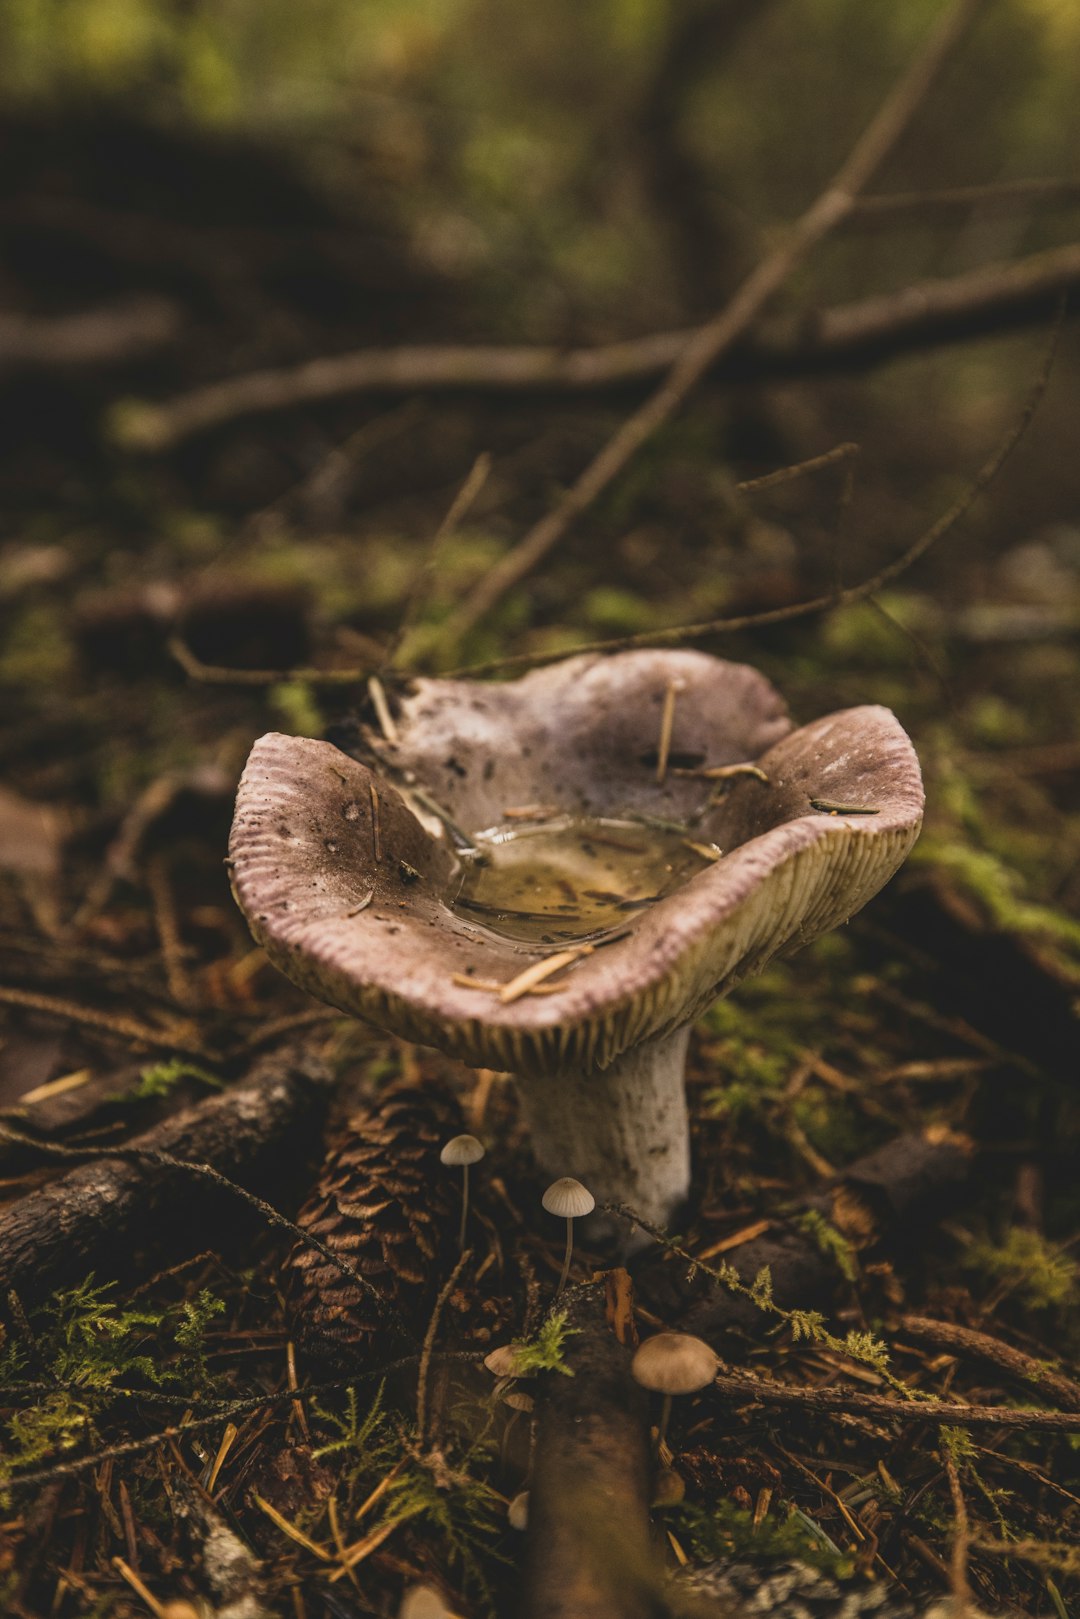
point(517, 1513)
point(568, 1199)
point(503, 1361)
point(461, 1150)
point(674, 1363)
point(423, 1602)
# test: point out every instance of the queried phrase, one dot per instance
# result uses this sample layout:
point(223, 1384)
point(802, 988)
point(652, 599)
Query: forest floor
point(162, 1443)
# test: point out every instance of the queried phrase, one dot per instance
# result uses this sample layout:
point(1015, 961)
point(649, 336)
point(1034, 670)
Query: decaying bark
point(588, 1553)
point(109, 1214)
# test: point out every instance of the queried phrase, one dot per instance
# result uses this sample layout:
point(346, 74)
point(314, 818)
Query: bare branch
point(681, 634)
point(848, 1402)
point(1003, 196)
point(718, 335)
point(102, 336)
point(847, 336)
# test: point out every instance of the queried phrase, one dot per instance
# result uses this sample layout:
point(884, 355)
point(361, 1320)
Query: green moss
point(161, 1079)
point(85, 1344)
point(1043, 1276)
point(728, 1531)
point(997, 889)
point(616, 611)
point(36, 651)
point(294, 703)
point(544, 1352)
point(830, 1242)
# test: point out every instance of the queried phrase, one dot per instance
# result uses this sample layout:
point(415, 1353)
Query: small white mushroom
point(569, 1200)
point(517, 1513)
point(463, 1151)
point(673, 1363)
point(503, 1361)
point(423, 1602)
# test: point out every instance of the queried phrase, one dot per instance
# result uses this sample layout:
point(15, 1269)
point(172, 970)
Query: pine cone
point(386, 1204)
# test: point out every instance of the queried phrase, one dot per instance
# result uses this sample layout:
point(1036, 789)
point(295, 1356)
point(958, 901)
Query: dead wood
point(894, 1192)
point(965, 1341)
point(110, 1214)
point(105, 336)
point(742, 1391)
point(588, 1553)
point(846, 337)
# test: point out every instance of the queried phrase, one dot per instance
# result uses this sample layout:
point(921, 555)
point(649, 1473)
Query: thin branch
point(943, 1414)
point(1000, 196)
point(428, 1349)
point(847, 336)
point(718, 336)
point(104, 336)
point(683, 633)
point(459, 509)
point(213, 674)
point(957, 1340)
point(178, 1038)
point(816, 463)
point(961, 1535)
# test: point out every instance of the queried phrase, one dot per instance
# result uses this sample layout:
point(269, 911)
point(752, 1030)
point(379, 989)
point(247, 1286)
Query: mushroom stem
point(464, 1205)
point(624, 1130)
point(567, 1257)
point(665, 1418)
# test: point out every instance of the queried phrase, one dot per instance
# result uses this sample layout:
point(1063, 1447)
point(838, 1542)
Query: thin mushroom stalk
point(460, 1152)
point(570, 1200)
point(569, 1254)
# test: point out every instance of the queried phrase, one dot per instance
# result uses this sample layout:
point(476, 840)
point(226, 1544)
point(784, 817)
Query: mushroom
point(429, 888)
point(423, 1602)
point(517, 1513)
point(462, 1151)
point(571, 1201)
point(673, 1363)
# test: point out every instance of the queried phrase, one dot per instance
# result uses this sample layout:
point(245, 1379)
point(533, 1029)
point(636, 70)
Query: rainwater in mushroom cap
point(555, 875)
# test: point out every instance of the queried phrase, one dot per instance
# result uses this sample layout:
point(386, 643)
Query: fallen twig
point(178, 1037)
point(843, 337)
point(941, 1413)
point(683, 633)
point(958, 1340)
point(102, 336)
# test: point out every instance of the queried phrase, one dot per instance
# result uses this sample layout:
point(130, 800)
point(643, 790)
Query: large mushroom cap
point(344, 878)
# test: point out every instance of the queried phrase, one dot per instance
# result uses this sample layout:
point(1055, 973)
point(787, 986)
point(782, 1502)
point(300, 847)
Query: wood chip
point(527, 981)
point(377, 693)
point(707, 851)
point(736, 1240)
point(667, 724)
point(495, 986)
point(57, 1087)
